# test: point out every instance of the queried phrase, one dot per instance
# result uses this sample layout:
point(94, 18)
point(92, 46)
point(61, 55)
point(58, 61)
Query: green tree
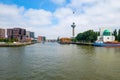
point(115, 34)
point(2, 40)
point(80, 37)
point(119, 35)
point(87, 36)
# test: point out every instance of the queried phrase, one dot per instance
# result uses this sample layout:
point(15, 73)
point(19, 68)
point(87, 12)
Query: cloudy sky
point(53, 18)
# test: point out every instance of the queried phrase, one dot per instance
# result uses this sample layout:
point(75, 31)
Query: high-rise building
point(2, 33)
point(17, 33)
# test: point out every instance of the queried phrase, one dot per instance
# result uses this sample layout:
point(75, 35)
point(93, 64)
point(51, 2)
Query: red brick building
point(2, 33)
point(41, 39)
point(65, 40)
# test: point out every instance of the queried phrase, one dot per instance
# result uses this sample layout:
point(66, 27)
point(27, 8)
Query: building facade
point(105, 36)
point(30, 36)
point(2, 33)
point(65, 40)
point(41, 39)
point(18, 34)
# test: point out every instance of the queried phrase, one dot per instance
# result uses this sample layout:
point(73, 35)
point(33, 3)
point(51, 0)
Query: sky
point(53, 18)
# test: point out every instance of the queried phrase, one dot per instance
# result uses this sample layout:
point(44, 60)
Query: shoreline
point(78, 43)
point(15, 44)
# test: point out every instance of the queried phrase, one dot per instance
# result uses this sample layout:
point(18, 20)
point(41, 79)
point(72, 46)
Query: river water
point(52, 61)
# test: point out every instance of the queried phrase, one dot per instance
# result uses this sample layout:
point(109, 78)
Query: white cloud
point(89, 14)
point(79, 4)
point(63, 13)
point(31, 19)
point(38, 17)
point(9, 15)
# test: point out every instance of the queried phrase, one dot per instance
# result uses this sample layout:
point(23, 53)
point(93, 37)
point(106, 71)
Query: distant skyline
point(53, 18)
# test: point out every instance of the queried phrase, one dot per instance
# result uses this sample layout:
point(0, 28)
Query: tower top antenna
point(73, 12)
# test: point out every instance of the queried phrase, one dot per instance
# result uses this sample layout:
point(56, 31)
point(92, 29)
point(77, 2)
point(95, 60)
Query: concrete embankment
point(15, 44)
point(83, 43)
point(79, 43)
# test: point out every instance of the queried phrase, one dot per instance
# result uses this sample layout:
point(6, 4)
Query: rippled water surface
point(52, 61)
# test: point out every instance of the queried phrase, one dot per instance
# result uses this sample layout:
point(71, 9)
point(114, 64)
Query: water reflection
point(52, 61)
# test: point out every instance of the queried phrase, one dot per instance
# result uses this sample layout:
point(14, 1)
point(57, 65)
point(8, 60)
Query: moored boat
point(107, 44)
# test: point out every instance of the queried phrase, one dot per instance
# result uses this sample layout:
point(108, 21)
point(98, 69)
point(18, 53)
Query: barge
point(107, 44)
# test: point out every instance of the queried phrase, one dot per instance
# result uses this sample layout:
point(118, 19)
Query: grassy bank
point(15, 44)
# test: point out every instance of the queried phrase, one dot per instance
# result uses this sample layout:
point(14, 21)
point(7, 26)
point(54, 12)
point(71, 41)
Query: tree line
point(116, 33)
point(91, 36)
point(87, 36)
point(8, 40)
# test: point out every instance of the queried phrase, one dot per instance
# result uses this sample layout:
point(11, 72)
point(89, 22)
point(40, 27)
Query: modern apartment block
point(29, 36)
point(17, 33)
point(2, 33)
point(32, 35)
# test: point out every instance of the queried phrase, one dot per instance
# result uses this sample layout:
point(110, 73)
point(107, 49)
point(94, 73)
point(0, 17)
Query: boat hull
point(106, 44)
